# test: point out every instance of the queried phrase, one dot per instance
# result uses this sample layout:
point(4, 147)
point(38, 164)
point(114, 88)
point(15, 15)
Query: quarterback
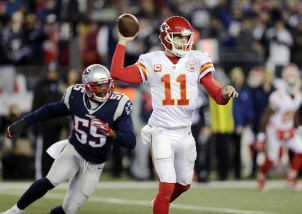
point(101, 118)
point(173, 77)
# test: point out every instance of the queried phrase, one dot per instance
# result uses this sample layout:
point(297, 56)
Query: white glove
point(146, 134)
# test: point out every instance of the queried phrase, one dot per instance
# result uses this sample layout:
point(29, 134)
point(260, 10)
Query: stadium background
point(47, 36)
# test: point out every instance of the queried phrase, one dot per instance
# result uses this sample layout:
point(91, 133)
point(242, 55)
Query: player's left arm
point(123, 127)
point(48, 111)
point(122, 130)
point(221, 96)
point(125, 132)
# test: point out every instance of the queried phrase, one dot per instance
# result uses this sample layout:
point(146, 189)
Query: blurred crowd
point(45, 44)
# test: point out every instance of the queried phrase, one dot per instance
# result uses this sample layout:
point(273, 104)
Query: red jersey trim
point(206, 66)
point(143, 68)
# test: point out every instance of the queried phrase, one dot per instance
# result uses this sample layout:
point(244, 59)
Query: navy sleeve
point(124, 128)
point(48, 111)
point(125, 132)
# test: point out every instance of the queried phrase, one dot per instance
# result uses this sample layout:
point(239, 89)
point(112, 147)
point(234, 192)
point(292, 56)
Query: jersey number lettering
point(182, 80)
point(82, 135)
point(79, 87)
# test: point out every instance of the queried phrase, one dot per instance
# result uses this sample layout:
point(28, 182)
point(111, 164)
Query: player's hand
point(229, 91)
point(122, 40)
point(260, 140)
point(15, 130)
point(104, 127)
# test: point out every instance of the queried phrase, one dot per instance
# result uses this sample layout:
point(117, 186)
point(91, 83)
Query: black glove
point(15, 130)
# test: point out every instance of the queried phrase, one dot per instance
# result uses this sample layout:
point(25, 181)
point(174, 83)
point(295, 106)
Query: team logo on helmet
point(191, 66)
point(173, 26)
point(164, 27)
point(87, 71)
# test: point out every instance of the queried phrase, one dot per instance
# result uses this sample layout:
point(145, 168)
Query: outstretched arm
point(130, 74)
point(46, 112)
point(221, 96)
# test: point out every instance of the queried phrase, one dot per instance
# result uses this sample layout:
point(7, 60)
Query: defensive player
point(101, 118)
point(278, 126)
point(173, 76)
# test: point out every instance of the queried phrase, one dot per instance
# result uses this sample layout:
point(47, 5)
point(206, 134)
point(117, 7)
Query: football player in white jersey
point(278, 126)
point(173, 76)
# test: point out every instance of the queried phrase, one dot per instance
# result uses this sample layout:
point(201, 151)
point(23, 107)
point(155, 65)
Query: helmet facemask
point(97, 82)
point(180, 48)
point(100, 90)
point(292, 85)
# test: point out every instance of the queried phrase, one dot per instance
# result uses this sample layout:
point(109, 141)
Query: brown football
point(127, 24)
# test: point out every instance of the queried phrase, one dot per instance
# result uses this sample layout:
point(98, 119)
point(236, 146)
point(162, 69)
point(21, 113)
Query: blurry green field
point(134, 198)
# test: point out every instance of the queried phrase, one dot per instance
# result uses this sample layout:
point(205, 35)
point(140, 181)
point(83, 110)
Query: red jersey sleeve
point(130, 74)
point(213, 88)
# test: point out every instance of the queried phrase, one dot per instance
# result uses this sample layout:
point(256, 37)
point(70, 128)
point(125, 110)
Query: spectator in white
point(279, 42)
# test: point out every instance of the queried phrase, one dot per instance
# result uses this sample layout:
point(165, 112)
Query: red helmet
point(180, 26)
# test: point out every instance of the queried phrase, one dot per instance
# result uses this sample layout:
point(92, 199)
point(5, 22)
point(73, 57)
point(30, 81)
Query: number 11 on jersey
point(182, 80)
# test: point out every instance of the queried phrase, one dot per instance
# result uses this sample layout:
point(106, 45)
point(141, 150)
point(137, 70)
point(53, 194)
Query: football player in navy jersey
point(101, 118)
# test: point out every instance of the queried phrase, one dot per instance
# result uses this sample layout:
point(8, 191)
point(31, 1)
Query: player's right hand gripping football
point(122, 40)
point(15, 130)
point(104, 127)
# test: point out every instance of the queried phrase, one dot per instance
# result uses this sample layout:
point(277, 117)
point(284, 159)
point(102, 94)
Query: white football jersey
point(285, 108)
point(174, 87)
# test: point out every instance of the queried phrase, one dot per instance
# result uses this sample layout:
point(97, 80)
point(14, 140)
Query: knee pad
point(185, 176)
point(191, 148)
point(187, 179)
point(52, 181)
point(70, 207)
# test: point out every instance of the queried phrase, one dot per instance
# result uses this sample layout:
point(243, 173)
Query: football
point(127, 24)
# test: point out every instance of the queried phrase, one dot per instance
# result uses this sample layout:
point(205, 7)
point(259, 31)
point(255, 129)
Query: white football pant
point(173, 154)
point(274, 143)
point(83, 175)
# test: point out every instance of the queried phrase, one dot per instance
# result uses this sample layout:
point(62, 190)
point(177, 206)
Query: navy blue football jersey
point(90, 142)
